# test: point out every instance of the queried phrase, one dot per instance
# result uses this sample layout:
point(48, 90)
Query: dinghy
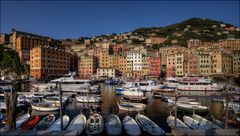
point(206, 123)
point(30, 123)
point(113, 125)
point(133, 94)
point(56, 126)
point(78, 124)
point(128, 106)
point(21, 119)
point(95, 124)
point(131, 126)
point(148, 125)
point(171, 122)
point(189, 106)
point(45, 123)
point(45, 106)
point(192, 123)
point(88, 99)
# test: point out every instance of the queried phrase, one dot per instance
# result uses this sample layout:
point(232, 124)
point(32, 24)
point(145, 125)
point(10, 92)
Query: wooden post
point(176, 108)
point(60, 95)
point(226, 113)
point(11, 102)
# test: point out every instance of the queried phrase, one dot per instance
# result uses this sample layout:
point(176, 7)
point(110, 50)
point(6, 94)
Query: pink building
point(154, 66)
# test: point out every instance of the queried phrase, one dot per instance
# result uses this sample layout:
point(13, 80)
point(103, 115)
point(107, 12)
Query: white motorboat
point(143, 85)
point(131, 127)
point(133, 94)
point(88, 98)
point(205, 123)
point(56, 126)
point(190, 106)
point(148, 125)
point(171, 82)
point(68, 83)
point(113, 125)
point(197, 86)
point(95, 124)
point(129, 106)
point(179, 123)
point(78, 124)
point(54, 99)
point(45, 106)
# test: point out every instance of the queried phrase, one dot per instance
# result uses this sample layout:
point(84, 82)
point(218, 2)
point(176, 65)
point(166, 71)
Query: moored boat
point(129, 106)
point(113, 125)
point(30, 123)
point(133, 94)
point(192, 123)
point(56, 126)
point(45, 123)
point(88, 98)
point(131, 127)
point(148, 125)
point(206, 123)
point(190, 106)
point(179, 123)
point(95, 124)
point(45, 106)
point(78, 124)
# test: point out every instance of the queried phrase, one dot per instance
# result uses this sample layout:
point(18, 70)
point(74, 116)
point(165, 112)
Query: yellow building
point(113, 61)
point(204, 66)
point(87, 66)
point(145, 67)
point(221, 62)
point(236, 63)
point(179, 59)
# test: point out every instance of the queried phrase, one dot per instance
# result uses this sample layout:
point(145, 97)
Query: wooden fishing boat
point(128, 106)
point(56, 126)
point(171, 122)
point(113, 125)
point(45, 123)
point(148, 125)
point(206, 123)
point(95, 124)
point(190, 106)
point(133, 94)
point(21, 119)
point(78, 124)
point(131, 127)
point(30, 123)
point(45, 106)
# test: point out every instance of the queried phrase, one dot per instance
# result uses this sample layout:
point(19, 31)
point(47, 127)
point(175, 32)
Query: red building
point(154, 66)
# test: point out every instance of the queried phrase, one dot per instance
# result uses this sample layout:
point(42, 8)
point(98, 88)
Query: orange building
point(23, 42)
point(49, 62)
point(87, 66)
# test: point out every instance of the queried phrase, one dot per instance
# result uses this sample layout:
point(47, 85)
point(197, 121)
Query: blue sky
point(62, 19)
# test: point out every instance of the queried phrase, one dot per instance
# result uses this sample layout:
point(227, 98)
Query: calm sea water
point(156, 110)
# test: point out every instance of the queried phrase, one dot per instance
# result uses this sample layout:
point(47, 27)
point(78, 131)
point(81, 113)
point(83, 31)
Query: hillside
point(206, 30)
point(195, 28)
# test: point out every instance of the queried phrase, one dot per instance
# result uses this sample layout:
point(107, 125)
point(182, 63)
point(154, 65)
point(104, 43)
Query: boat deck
point(37, 133)
point(211, 132)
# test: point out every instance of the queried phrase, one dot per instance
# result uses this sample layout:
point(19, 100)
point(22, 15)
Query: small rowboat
point(148, 125)
point(21, 119)
point(56, 126)
point(131, 126)
point(128, 106)
point(88, 99)
point(113, 125)
point(45, 123)
point(45, 106)
point(206, 123)
point(95, 124)
point(171, 122)
point(30, 123)
point(78, 124)
point(192, 123)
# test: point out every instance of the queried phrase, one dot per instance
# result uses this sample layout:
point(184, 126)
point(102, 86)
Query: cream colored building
point(236, 63)
point(107, 72)
point(204, 66)
point(221, 62)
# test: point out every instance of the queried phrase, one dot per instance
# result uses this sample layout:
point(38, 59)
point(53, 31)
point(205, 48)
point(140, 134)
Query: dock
point(210, 132)
point(37, 133)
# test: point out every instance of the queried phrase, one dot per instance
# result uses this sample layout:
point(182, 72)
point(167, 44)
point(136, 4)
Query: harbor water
point(156, 110)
